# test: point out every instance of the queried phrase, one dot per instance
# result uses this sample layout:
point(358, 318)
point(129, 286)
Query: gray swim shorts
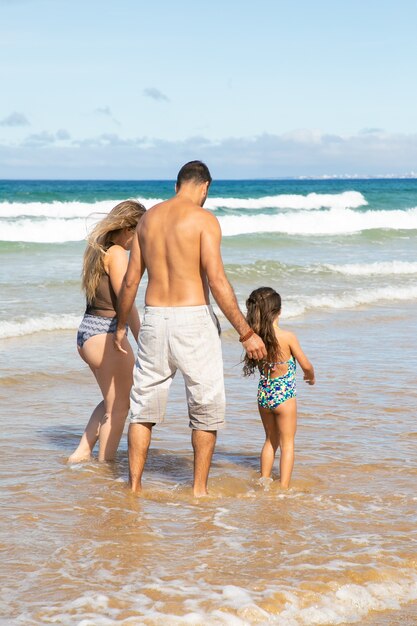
point(185, 339)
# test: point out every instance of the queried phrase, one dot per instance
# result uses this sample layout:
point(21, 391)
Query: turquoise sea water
point(324, 244)
point(341, 546)
point(379, 193)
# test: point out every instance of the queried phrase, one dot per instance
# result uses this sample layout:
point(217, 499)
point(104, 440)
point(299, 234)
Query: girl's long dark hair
point(263, 306)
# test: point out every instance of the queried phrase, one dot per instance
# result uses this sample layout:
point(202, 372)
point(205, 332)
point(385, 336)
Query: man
point(178, 242)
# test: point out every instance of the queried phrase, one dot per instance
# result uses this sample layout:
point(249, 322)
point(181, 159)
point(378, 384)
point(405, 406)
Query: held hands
point(255, 347)
point(118, 337)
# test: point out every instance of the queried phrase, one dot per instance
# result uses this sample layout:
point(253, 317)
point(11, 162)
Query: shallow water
point(340, 547)
point(79, 548)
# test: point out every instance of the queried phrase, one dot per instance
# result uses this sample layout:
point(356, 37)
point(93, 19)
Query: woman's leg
point(271, 441)
point(90, 435)
point(286, 417)
point(113, 371)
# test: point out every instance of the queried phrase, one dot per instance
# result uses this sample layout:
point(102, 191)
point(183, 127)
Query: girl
point(105, 264)
point(276, 391)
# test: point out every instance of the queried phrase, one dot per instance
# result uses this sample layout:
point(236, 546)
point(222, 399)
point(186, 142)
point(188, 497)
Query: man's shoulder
point(153, 213)
point(208, 215)
point(202, 220)
point(156, 207)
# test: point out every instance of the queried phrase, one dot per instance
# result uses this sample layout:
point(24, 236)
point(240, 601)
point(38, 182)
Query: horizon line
point(323, 177)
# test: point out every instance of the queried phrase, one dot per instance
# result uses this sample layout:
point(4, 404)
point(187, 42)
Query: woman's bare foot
point(78, 456)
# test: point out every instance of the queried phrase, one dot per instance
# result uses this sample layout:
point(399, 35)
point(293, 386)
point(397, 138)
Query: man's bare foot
point(135, 485)
point(200, 493)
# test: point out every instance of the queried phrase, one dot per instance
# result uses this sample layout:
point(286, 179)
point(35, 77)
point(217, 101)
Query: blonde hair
point(124, 215)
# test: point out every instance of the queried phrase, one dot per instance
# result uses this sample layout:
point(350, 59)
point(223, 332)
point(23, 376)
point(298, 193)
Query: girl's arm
point(116, 265)
point(301, 358)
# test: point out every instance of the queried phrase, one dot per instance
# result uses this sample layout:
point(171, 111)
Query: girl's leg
point(286, 416)
point(113, 371)
point(270, 446)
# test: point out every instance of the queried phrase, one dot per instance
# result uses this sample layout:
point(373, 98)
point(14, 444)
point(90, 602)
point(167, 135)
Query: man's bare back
point(170, 242)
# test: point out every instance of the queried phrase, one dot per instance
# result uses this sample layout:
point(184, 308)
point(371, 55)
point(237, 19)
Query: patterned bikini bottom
point(92, 325)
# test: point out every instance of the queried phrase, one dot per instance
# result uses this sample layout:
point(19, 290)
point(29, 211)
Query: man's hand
point(118, 337)
point(255, 347)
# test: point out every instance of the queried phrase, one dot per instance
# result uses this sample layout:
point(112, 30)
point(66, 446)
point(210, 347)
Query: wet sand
point(405, 616)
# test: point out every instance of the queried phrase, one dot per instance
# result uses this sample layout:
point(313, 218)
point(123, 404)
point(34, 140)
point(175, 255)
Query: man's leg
point(203, 445)
point(139, 439)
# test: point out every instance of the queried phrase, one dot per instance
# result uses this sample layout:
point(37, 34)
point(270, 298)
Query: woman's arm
point(301, 358)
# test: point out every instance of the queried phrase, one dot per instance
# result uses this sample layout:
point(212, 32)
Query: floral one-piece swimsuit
point(274, 391)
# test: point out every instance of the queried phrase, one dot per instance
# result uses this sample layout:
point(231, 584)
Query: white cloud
point(371, 131)
point(300, 153)
point(62, 134)
point(106, 112)
point(303, 136)
point(15, 119)
point(103, 111)
point(44, 138)
point(108, 140)
point(39, 139)
point(155, 94)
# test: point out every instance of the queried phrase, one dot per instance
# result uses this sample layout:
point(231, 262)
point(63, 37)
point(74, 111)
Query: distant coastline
point(323, 177)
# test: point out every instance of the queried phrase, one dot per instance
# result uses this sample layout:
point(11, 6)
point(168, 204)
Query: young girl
point(276, 391)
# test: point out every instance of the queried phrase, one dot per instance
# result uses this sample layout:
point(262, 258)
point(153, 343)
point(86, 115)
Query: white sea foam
point(56, 209)
point(351, 300)
point(38, 324)
point(271, 269)
point(296, 306)
point(383, 268)
point(333, 222)
point(63, 209)
point(221, 512)
point(233, 605)
point(347, 199)
point(46, 230)
point(351, 603)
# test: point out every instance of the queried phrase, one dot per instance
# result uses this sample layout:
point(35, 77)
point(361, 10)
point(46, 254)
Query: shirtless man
point(178, 242)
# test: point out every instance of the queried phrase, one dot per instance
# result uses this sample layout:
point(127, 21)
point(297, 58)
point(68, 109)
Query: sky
point(128, 89)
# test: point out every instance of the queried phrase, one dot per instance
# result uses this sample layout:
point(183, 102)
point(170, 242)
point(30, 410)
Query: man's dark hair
point(195, 171)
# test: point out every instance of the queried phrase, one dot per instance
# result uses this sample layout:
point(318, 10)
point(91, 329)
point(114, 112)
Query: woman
point(104, 266)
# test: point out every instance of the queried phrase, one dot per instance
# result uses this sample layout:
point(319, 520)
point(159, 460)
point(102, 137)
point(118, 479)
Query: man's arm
point(222, 290)
point(128, 291)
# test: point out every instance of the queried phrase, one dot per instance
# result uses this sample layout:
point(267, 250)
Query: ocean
point(340, 547)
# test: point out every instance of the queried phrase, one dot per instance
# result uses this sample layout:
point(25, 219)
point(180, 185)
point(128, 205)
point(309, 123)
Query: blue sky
point(132, 89)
